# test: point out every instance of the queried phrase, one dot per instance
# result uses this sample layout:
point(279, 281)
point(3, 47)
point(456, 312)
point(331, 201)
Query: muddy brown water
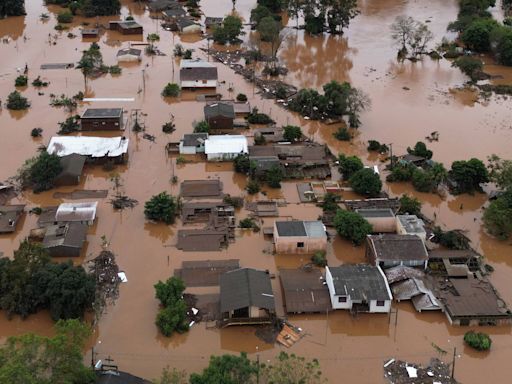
point(355, 347)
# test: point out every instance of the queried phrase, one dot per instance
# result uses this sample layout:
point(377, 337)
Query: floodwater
point(410, 100)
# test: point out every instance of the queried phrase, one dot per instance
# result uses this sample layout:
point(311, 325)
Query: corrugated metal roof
point(72, 165)
point(88, 146)
point(225, 144)
point(193, 139)
point(398, 247)
point(76, 211)
point(290, 228)
point(70, 235)
point(219, 109)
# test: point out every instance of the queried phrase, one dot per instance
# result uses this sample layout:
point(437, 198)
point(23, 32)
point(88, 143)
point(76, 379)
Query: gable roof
point(184, 22)
point(300, 228)
point(191, 70)
point(219, 109)
point(72, 165)
point(398, 247)
point(70, 235)
point(245, 287)
point(175, 11)
point(360, 282)
point(118, 377)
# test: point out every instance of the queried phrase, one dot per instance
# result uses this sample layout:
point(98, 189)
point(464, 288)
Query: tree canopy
point(12, 8)
point(366, 182)
point(161, 207)
point(226, 369)
point(172, 316)
point(352, 226)
point(468, 175)
point(348, 165)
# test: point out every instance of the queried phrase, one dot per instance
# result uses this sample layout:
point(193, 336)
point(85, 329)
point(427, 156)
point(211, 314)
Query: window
point(300, 244)
point(380, 303)
point(342, 299)
point(205, 81)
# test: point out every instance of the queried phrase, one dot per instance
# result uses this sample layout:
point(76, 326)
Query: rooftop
point(129, 51)
point(245, 287)
point(226, 144)
point(72, 165)
point(65, 234)
point(193, 139)
point(360, 282)
point(304, 291)
point(191, 70)
point(411, 223)
point(201, 188)
point(9, 215)
point(300, 228)
point(398, 247)
point(128, 24)
point(76, 211)
point(201, 240)
point(88, 146)
point(393, 204)
point(219, 109)
point(95, 113)
point(375, 212)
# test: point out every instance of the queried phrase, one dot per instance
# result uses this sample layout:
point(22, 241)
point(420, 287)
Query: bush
point(171, 90)
point(249, 223)
point(242, 163)
point(409, 205)
point(259, 118)
point(40, 172)
point(348, 165)
point(21, 81)
point(16, 102)
point(401, 172)
point(161, 207)
point(366, 182)
point(470, 66)
point(173, 316)
point(253, 187)
point(274, 176)
point(498, 216)
point(36, 132)
point(478, 340)
point(292, 133)
point(235, 201)
point(319, 259)
point(39, 83)
point(342, 134)
point(187, 55)
point(241, 97)
point(420, 149)
point(202, 127)
point(330, 203)
point(65, 17)
point(178, 50)
point(373, 145)
point(71, 124)
point(352, 226)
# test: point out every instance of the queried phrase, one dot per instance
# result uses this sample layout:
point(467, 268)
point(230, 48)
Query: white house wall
point(374, 308)
point(199, 84)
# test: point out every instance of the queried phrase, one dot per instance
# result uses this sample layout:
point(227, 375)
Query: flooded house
point(358, 288)
point(102, 119)
point(9, 217)
point(213, 22)
point(95, 149)
point(304, 291)
point(174, 12)
point(375, 203)
point(162, 5)
point(126, 27)
point(198, 74)
point(193, 189)
point(72, 168)
point(389, 250)
point(84, 213)
point(65, 239)
point(129, 55)
point(202, 240)
point(192, 143)
point(262, 164)
point(299, 237)
point(246, 297)
point(91, 33)
point(411, 225)
point(219, 115)
point(225, 147)
point(186, 26)
point(382, 220)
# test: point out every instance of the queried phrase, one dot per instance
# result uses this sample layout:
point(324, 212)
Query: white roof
point(88, 146)
point(77, 211)
point(225, 144)
point(195, 64)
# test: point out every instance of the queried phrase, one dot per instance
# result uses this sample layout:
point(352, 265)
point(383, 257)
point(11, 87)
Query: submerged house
point(411, 225)
point(381, 220)
point(390, 250)
point(213, 22)
point(102, 119)
point(72, 167)
point(193, 143)
point(126, 27)
point(219, 115)
point(128, 55)
point(246, 297)
point(299, 236)
point(97, 149)
point(359, 288)
point(9, 216)
point(84, 213)
point(224, 147)
point(186, 25)
point(198, 74)
point(65, 239)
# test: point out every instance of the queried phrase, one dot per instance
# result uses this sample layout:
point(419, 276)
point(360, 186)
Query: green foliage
point(169, 292)
point(269, 29)
point(501, 41)
point(114, 70)
point(450, 239)
point(31, 358)
point(235, 201)
point(401, 172)
point(39, 83)
point(468, 175)
point(498, 216)
point(65, 17)
point(152, 37)
point(16, 102)
point(319, 259)
point(226, 369)
point(241, 97)
point(71, 124)
point(274, 6)
point(36, 132)
point(409, 205)
point(366, 182)
point(253, 187)
point(477, 36)
point(91, 8)
point(161, 207)
point(172, 317)
point(91, 62)
point(420, 149)
point(292, 133)
point(352, 226)
point(178, 50)
point(500, 172)
point(428, 180)
point(187, 55)
point(330, 203)
point(171, 377)
point(21, 81)
point(470, 66)
point(171, 90)
point(242, 163)
point(292, 369)
point(12, 8)
point(348, 165)
point(249, 223)
point(229, 31)
point(375, 146)
point(478, 340)
point(342, 134)
point(259, 13)
point(274, 176)
point(40, 172)
point(255, 117)
point(202, 127)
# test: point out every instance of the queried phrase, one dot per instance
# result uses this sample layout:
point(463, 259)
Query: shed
point(102, 119)
point(411, 225)
point(72, 167)
point(198, 74)
point(186, 25)
point(246, 297)
point(9, 216)
point(128, 55)
point(65, 239)
point(90, 33)
point(359, 288)
point(77, 212)
point(193, 143)
point(299, 236)
point(389, 250)
point(225, 147)
point(126, 27)
point(382, 220)
point(219, 115)
point(94, 148)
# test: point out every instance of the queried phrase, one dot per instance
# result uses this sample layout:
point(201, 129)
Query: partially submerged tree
point(478, 340)
point(40, 172)
point(420, 149)
point(409, 205)
point(91, 62)
point(172, 317)
point(12, 8)
point(366, 182)
point(202, 127)
point(498, 216)
point(229, 31)
point(16, 102)
point(411, 36)
point(470, 66)
point(171, 90)
point(274, 176)
point(226, 369)
point(290, 368)
point(468, 175)
point(292, 133)
point(71, 124)
point(352, 226)
point(348, 165)
point(161, 207)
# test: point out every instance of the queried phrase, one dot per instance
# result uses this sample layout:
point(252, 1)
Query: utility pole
point(92, 358)
point(144, 79)
point(391, 153)
point(453, 361)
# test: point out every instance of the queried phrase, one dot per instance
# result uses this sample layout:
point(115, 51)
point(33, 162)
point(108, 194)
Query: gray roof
point(193, 139)
point(219, 109)
point(72, 165)
point(96, 113)
point(128, 24)
point(213, 21)
point(175, 12)
point(264, 163)
point(160, 5)
point(361, 281)
point(398, 247)
point(375, 212)
point(245, 287)
point(9, 215)
point(118, 377)
point(129, 51)
point(300, 228)
point(183, 22)
point(197, 70)
point(70, 235)
point(411, 223)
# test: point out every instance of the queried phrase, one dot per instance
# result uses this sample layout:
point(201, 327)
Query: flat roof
point(411, 223)
point(360, 282)
point(225, 144)
point(95, 113)
point(375, 212)
point(300, 228)
point(9, 215)
point(193, 139)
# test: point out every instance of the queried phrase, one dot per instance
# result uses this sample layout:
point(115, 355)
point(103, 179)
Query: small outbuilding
point(102, 119)
point(84, 213)
point(219, 115)
point(128, 55)
point(72, 167)
point(359, 288)
point(390, 250)
point(187, 26)
point(213, 22)
point(65, 239)
point(193, 143)
point(246, 297)
point(299, 236)
point(225, 147)
point(90, 33)
point(126, 27)
point(9, 216)
point(411, 225)
point(381, 220)
point(174, 13)
point(198, 74)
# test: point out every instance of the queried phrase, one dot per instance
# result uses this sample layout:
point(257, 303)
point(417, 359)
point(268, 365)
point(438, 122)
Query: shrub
point(36, 132)
point(342, 134)
point(420, 149)
point(71, 124)
point(348, 165)
point(241, 97)
point(409, 205)
point(401, 172)
point(259, 118)
point(202, 126)
point(21, 81)
point(478, 340)
point(366, 182)
point(39, 83)
point(319, 259)
point(249, 223)
point(235, 201)
point(16, 102)
point(292, 133)
point(65, 17)
point(161, 207)
point(187, 55)
point(173, 316)
point(253, 187)
point(470, 66)
point(352, 226)
point(498, 216)
point(178, 50)
point(171, 90)
point(274, 176)
point(40, 172)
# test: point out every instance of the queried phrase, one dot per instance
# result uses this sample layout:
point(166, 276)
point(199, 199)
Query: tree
point(16, 102)
point(171, 377)
point(319, 259)
point(202, 127)
point(36, 359)
point(269, 30)
point(65, 17)
point(339, 14)
point(12, 8)
point(274, 176)
point(420, 149)
point(43, 171)
point(409, 205)
point(253, 187)
point(478, 340)
point(229, 31)
point(468, 175)
point(170, 291)
point(366, 182)
point(21, 81)
point(500, 172)
point(173, 316)
point(71, 124)
point(171, 90)
point(352, 226)
point(330, 203)
point(411, 36)
point(348, 165)
point(226, 369)
point(477, 36)
point(161, 207)
point(501, 42)
point(91, 62)
point(275, 6)
point(92, 8)
point(498, 216)
point(289, 368)
point(259, 13)
point(422, 181)
point(242, 163)
point(292, 133)
point(357, 102)
point(470, 66)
